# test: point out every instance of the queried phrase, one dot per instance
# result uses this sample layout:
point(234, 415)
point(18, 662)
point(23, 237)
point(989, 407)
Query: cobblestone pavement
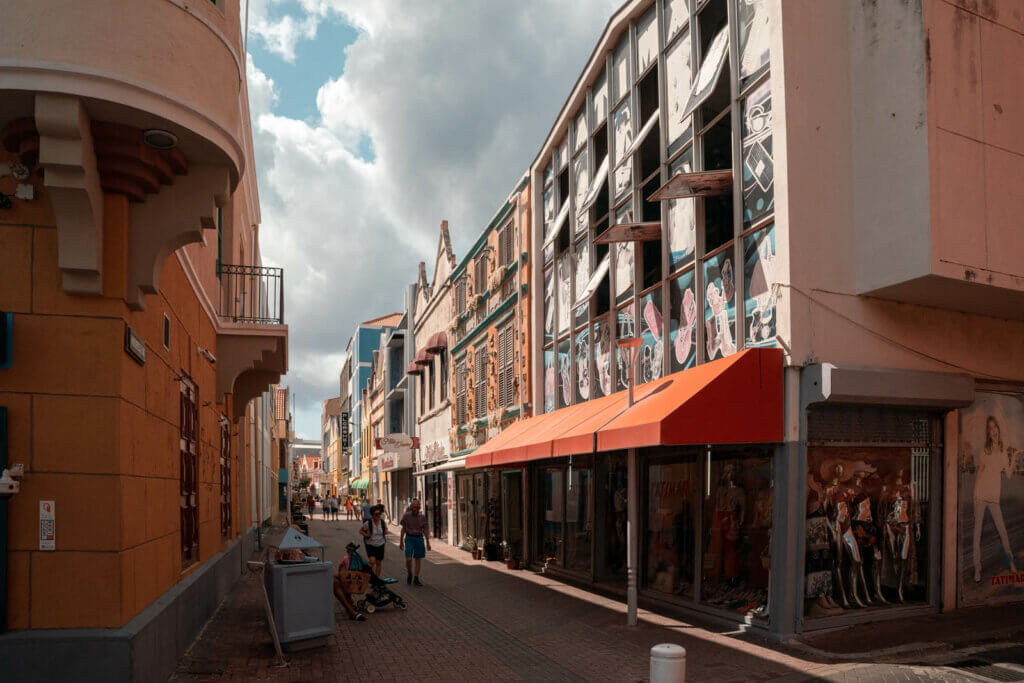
point(479, 621)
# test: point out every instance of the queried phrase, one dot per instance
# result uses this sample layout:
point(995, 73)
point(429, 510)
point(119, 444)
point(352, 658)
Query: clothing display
point(862, 520)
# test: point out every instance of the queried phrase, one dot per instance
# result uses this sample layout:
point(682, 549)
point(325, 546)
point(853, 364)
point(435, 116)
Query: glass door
point(512, 498)
point(611, 498)
point(550, 515)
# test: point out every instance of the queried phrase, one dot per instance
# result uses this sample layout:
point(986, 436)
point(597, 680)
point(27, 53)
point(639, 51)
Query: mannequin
point(866, 536)
point(899, 517)
point(730, 507)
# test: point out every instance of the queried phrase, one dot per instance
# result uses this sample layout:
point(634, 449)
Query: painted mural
point(682, 322)
point(720, 305)
point(682, 226)
point(758, 168)
point(549, 380)
point(622, 135)
point(990, 499)
point(627, 328)
point(582, 343)
point(602, 357)
point(564, 397)
point(651, 364)
point(759, 278)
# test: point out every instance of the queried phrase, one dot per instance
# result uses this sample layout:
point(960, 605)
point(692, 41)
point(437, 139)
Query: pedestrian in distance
point(375, 532)
point(413, 539)
point(349, 509)
point(367, 510)
point(311, 506)
point(334, 507)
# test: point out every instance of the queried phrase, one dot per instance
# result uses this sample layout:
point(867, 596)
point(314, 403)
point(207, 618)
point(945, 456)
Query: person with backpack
point(374, 532)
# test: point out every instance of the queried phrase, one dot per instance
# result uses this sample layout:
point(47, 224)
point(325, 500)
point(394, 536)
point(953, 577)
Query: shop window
point(565, 389)
point(564, 268)
point(759, 287)
point(626, 328)
point(755, 36)
point(737, 531)
point(681, 224)
point(579, 523)
point(624, 271)
point(549, 304)
point(622, 132)
point(599, 110)
point(480, 381)
point(564, 236)
point(611, 495)
point(225, 478)
point(650, 365)
point(581, 184)
point(673, 505)
point(602, 299)
point(678, 78)
point(549, 379)
point(682, 322)
point(720, 305)
point(580, 130)
point(581, 280)
point(602, 343)
point(550, 515)
point(189, 471)
point(758, 168)
point(677, 15)
point(646, 41)
point(712, 18)
point(582, 349)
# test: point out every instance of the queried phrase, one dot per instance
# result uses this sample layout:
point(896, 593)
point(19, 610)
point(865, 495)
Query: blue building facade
point(365, 340)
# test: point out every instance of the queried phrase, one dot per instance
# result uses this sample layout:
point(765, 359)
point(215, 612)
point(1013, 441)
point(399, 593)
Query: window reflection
point(672, 503)
point(579, 528)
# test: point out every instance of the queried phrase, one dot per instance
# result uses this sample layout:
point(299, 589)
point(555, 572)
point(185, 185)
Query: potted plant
point(471, 545)
point(511, 561)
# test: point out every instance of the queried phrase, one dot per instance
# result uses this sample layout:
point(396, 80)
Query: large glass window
point(682, 227)
point(602, 342)
point(579, 527)
point(754, 38)
point(565, 388)
point(564, 292)
point(626, 328)
point(673, 503)
point(867, 542)
point(652, 350)
point(646, 41)
point(582, 349)
point(758, 169)
point(612, 495)
point(759, 280)
point(549, 379)
point(678, 75)
point(622, 139)
point(737, 531)
point(720, 305)
point(550, 517)
point(549, 305)
point(624, 271)
point(682, 322)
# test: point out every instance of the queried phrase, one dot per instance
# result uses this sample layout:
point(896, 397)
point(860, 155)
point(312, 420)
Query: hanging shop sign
point(47, 526)
point(346, 439)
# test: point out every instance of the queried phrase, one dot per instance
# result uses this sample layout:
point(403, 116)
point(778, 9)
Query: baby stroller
point(378, 594)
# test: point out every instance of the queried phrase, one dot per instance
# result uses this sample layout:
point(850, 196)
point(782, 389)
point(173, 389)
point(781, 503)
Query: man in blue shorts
point(412, 539)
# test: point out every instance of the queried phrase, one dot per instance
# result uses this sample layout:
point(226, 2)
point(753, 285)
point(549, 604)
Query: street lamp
point(631, 345)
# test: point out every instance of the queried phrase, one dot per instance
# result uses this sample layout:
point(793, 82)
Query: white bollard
point(668, 663)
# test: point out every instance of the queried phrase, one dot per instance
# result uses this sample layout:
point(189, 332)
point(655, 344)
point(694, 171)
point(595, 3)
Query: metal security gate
point(225, 478)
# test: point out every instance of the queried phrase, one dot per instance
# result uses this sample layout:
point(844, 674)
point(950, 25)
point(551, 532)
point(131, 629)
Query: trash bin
point(300, 592)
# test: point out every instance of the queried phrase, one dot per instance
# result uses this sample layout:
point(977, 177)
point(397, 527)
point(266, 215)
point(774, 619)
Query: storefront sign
point(397, 442)
point(395, 461)
point(990, 519)
point(345, 436)
point(47, 526)
point(134, 346)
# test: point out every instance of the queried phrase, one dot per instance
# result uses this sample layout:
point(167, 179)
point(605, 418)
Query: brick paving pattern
point(479, 621)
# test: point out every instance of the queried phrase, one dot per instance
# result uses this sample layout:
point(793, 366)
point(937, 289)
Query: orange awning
point(732, 400)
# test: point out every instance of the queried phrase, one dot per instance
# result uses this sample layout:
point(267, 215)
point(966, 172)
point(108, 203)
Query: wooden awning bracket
point(695, 184)
point(630, 232)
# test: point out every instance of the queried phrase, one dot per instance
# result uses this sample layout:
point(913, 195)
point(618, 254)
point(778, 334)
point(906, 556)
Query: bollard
point(668, 663)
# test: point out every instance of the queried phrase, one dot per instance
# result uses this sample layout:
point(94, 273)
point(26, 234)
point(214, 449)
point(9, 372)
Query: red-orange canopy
point(413, 369)
point(437, 343)
point(422, 357)
point(732, 400)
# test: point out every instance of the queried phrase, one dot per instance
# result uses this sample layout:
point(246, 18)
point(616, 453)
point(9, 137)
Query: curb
point(920, 648)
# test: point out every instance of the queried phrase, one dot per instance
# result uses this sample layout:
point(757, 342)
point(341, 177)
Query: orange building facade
point(142, 324)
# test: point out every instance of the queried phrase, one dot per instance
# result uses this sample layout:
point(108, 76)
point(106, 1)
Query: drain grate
point(980, 667)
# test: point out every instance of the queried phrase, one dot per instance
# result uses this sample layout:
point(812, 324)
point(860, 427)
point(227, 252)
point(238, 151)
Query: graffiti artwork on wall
point(758, 167)
point(720, 306)
point(603, 357)
point(991, 499)
point(759, 281)
point(683, 321)
point(549, 380)
point(582, 365)
point(652, 351)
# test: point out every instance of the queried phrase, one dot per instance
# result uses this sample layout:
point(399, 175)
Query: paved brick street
point(476, 620)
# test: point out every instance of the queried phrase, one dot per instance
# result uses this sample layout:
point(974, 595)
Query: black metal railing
point(251, 294)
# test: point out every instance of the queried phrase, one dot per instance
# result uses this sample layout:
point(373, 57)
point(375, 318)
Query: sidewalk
point(477, 620)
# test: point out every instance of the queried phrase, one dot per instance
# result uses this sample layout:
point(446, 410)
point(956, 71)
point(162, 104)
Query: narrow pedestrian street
point(475, 620)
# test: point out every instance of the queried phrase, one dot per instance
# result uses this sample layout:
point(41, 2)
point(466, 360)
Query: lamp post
point(631, 345)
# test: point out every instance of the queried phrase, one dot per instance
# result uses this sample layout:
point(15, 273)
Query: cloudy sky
point(374, 120)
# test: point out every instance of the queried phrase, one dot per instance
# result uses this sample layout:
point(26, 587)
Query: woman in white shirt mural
point(993, 461)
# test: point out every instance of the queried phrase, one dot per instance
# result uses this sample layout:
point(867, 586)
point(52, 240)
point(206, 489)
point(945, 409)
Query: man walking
point(412, 539)
point(367, 509)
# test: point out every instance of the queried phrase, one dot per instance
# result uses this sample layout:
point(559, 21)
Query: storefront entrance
point(512, 512)
point(436, 504)
point(564, 515)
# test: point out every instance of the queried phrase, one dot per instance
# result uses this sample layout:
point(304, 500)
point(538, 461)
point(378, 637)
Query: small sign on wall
point(47, 526)
point(134, 346)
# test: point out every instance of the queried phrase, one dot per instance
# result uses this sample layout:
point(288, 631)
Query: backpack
point(368, 525)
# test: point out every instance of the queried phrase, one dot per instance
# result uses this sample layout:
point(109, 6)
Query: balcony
point(251, 294)
point(252, 339)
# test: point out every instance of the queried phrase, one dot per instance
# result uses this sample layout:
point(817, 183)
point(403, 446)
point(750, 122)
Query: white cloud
point(456, 99)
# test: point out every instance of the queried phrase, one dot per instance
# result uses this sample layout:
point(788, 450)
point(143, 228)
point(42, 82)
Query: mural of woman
point(603, 358)
point(653, 353)
point(994, 460)
point(720, 340)
point(688, 320)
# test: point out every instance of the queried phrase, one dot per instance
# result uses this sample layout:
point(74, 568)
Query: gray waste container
point(301, 596)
